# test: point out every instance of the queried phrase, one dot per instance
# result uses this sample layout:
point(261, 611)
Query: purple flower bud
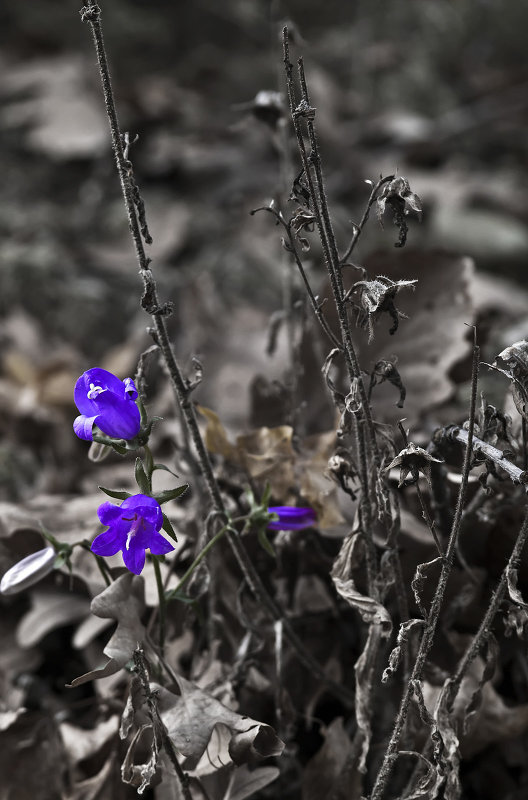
point(107, 402)
point(291, 519)
point(133, 527)
point(28, 571)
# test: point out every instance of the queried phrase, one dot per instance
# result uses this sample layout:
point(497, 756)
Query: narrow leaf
point(170, 494)
point(117, 494)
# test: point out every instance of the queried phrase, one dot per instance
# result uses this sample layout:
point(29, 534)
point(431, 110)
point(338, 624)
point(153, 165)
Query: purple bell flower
point(107, 402)
point(291, 519)
point(133, 527)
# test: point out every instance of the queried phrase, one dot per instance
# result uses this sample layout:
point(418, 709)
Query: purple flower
point(291, 519)
point(107, 402)
point(133, 527)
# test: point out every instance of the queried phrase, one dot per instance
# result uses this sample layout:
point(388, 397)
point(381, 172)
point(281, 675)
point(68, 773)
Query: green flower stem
point(201, 555)
point(162, 603)
point(103, 569)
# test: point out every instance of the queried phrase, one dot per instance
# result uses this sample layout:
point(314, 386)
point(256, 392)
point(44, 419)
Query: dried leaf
point(325, 768)
point(122, 601)
point(81, 743)
point(429, 784)
point(191, 717)
point(50, 610)
point(401, 641)
point(371, 611)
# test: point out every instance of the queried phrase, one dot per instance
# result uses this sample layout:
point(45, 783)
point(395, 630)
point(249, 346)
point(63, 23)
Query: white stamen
point(94, 391)
point(133, 530)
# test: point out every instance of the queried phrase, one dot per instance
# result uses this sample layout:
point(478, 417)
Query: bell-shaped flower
point(107, 402)
point(133, 528)
point(291, 519)
point(28, 571)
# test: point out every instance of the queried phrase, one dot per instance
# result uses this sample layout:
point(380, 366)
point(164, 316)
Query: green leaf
point(118, 494)
point(167, 527)
point(141, 477)
point(183, 598)
point(265, 543)
point(162, 466)
point(170, 494)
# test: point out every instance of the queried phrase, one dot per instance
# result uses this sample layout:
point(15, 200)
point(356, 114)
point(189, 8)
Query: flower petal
point(98, 377)
point(109, 513)
point(118, 417)
point(134, 557)
point(291, 519)
point(82, 427)
point(108, 543)
point(158, 544)
point(146, 507)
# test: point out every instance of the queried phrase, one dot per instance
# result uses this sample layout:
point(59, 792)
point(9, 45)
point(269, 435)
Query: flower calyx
point(414, 460)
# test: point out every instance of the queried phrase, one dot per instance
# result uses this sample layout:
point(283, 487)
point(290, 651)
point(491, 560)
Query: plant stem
point(92, 14)
point(162, 603)
point(390, 756)
point(359, 228)
point(485, 626)
point(199, 558)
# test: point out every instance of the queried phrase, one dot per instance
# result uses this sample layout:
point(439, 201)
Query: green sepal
point(265, 543)
point(141, 477)
point(170, 494)
point(117, 494)
point(167, 527)
point(119, 445)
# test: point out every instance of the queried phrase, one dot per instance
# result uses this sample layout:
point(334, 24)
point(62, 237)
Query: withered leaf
point(191, 716)
point(122, 601)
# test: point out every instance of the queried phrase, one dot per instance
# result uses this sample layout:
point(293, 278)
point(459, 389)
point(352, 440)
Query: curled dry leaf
point(191, 716)
point(371, 611)
point(121, 601)
point(433, 338)
point(401, 641)
point(429, 784)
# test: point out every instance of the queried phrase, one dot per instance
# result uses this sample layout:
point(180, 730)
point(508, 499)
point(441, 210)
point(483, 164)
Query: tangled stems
point(390, 756)
point(91, 14)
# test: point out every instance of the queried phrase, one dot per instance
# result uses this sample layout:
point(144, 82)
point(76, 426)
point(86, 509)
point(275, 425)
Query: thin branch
point(391, 753)
point(485, 626)
point(480, 447)
point(92, 15)
point(359, 228)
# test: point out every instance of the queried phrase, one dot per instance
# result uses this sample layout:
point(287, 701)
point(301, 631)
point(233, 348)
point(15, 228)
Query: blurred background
point(435, 90)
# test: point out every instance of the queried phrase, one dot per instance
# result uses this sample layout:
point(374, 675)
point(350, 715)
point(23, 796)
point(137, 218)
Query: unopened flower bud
point(28, 571)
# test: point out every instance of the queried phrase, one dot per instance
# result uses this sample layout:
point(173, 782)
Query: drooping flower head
point(291, 519)
point(107, 402)
point(133, 527)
